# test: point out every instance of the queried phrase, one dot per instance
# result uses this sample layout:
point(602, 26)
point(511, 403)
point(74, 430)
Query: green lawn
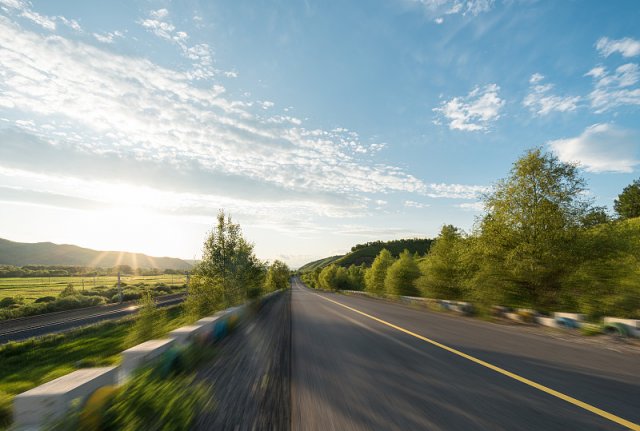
point(33, 288)
point(30, 363)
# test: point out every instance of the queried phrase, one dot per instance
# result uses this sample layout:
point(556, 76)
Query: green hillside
point(47, 253)
point(366, 253)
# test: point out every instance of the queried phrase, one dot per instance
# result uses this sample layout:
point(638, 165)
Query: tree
point(401, 276)
point(228, 273)
point(277, 276)
point(527, 241)
point(628, 203)
point(443, 270)
point(355, 277)
point(374, 278)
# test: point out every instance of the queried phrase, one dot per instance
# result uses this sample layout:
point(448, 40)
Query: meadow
point(32, 288)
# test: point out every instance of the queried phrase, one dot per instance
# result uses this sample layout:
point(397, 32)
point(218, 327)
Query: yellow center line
point(567, 398)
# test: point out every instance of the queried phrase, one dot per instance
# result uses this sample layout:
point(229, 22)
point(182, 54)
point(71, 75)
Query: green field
point(31, 289)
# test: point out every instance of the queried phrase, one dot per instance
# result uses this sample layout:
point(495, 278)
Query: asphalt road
point(352, 372)
point(62, 321)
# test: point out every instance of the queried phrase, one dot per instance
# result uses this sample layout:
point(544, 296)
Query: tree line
point(35, 271)
point(540, 243)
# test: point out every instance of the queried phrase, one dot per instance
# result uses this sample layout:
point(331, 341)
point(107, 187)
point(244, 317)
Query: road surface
point(353, 372)
point(62, 321)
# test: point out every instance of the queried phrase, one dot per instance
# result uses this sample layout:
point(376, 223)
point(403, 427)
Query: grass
point(31, 289)
point(30, 363)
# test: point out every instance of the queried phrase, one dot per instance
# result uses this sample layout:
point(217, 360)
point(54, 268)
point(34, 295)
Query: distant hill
point(48, 253)
point(366, 253)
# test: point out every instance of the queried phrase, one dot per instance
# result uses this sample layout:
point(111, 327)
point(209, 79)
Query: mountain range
point(48, 253)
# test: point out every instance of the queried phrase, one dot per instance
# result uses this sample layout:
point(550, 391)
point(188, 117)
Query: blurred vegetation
point(541, 243)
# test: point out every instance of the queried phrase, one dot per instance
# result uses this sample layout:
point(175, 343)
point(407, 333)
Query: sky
point(318, 125)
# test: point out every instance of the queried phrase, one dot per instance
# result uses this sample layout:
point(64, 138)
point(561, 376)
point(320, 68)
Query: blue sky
point(317, 124)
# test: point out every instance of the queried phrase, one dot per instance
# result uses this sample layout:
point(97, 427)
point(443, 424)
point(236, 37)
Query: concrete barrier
point(48, 402)
point(547, 321)
point(573, 316)
point(632, 325)
point(186, 334)
point(142, 354)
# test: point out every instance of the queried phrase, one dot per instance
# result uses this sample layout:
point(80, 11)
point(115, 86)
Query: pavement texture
point(307, 362)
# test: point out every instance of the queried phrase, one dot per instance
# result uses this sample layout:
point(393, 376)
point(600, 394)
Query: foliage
point(6, 410)
point(355, 277)
point(277, 277)
point(527, 241)
point(627, 205)
point(149, 322)
point(375, 276)
point(154, 402)
point(444, 270)
point(402, 275)
point(68, 291)
point(229, 270)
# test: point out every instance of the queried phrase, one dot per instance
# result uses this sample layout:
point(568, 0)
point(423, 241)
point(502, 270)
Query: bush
point(45, 299)
point(162, 288)
point(68, 291)
point(7, 302)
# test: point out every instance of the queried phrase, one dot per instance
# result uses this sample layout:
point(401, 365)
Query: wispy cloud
point(627, 46)
point(108, 37)
point(471, 206)
point(455, 191)
point(414, 204)
point(452, 7)
point(475, 111)
point(615, 89)
point(541, 101)
point(600, 148)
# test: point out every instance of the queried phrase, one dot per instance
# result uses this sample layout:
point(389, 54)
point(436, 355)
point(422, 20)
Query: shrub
point(149, 322)
point(68, 291)
point(7, 302)
point(45, 299)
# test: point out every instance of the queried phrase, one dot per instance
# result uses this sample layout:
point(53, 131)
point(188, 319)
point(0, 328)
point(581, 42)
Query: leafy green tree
point(628, 203)
point(444, 270)
point(374, 277)
point(528, 238)
point(277, 277)
point(402, 275)
point(355, 277)
point(228, 273)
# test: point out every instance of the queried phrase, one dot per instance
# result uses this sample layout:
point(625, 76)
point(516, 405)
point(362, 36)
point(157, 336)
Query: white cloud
point(471, 206)
point(71, 23)
point(600, 148)
point(541, 102)
point(455, 191)
point(450, 7)
point(42, 20)
point(626, 46)
point(439, 20)
point(108, 37)
point(414, 204)
point(476, 111)
point(133, 109)
point(615, 89)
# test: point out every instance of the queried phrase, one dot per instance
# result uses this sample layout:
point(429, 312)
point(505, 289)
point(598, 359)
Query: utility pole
point(119, 288)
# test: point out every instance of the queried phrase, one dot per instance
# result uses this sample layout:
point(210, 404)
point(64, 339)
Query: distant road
point(62, 321)
point(366, 364)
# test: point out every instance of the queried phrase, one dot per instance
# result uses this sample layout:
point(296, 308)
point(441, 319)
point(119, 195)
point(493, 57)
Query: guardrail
point(36, 408)
point(563, 320)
